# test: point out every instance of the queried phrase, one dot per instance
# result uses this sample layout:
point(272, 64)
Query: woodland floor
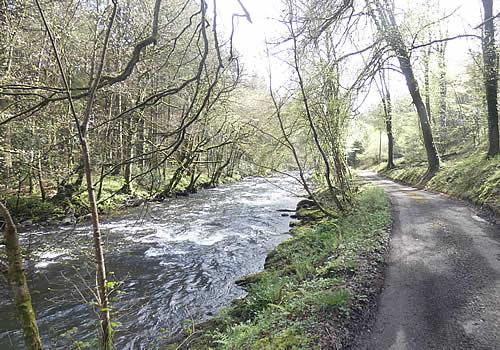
point(442, 285)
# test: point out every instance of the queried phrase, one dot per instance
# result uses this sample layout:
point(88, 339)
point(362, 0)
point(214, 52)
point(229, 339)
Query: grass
point(312, 289)
point(472, 177)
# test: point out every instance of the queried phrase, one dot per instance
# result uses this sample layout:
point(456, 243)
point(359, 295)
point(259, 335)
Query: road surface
point(442, 280)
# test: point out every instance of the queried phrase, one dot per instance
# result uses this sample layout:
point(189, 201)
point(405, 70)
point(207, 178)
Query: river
point(174, 262)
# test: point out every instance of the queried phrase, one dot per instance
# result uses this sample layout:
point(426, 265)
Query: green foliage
point(304, 284)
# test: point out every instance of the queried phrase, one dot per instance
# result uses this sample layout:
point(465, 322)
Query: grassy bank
point(25, 207)
point(472, 178)
point(315, 290)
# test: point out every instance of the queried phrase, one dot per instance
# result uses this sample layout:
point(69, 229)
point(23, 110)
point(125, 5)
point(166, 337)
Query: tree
point(18, 284)
point(352, 156)
point(387, 104)
point(491, 77)
point(443, 93)
point(385, 21)
point(82, 127)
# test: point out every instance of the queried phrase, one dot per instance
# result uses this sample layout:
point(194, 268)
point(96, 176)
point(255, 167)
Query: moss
point(32, 208)
point(309, 214)
point(411, 175)
point(304, 293)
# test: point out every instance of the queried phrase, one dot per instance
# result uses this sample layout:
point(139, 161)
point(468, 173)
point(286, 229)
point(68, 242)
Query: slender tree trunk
point(326, 162)
point(106, 331)
point(491, 78)
point(18, 284)
point(427, 59)
point(31, 171)
point(121, 153)
point(7, 154)
point(101, 181)
point(443, 106)
point(292, 148)
point(380, 146)
point(387, 103)
point(129, 153)
point(43, 194)
point(141, 140)
point(101, 283)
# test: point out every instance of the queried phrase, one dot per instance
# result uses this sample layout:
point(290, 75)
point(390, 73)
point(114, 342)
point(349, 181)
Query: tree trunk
point(432, 158)
point(18, 284)
point(7, 154)
point(43, 195)
point(141, 140)
point(427, 59)
point(386, 23)
point(380, 146)
point(106, 331)
point(129, 153)
point(387, 104)
point(101, 283)
point(30, 171)
point(443, 106)
point(490, 78)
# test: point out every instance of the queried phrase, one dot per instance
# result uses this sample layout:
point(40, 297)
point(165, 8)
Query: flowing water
point(174, 263)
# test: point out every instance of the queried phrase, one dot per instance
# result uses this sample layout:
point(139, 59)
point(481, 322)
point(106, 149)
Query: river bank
point(169, 261)
point(317, 290)
point(31, 210)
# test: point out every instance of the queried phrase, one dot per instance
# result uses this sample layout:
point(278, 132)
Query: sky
point(250, 38)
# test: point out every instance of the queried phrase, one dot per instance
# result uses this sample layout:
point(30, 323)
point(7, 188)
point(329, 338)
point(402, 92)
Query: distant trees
point(150, 97)
point(356, 149)
point(454, 102)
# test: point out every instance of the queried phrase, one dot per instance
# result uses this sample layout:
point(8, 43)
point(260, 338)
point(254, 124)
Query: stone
point(306, 203)
point(69, 219)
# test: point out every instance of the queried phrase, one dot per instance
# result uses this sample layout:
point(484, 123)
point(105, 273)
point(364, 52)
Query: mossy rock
point(310, 214)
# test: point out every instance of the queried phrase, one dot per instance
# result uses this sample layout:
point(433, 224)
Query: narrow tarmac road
point(442, 280)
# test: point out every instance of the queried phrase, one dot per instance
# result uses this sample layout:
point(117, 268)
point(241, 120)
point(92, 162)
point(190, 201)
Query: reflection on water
point(176, 260)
